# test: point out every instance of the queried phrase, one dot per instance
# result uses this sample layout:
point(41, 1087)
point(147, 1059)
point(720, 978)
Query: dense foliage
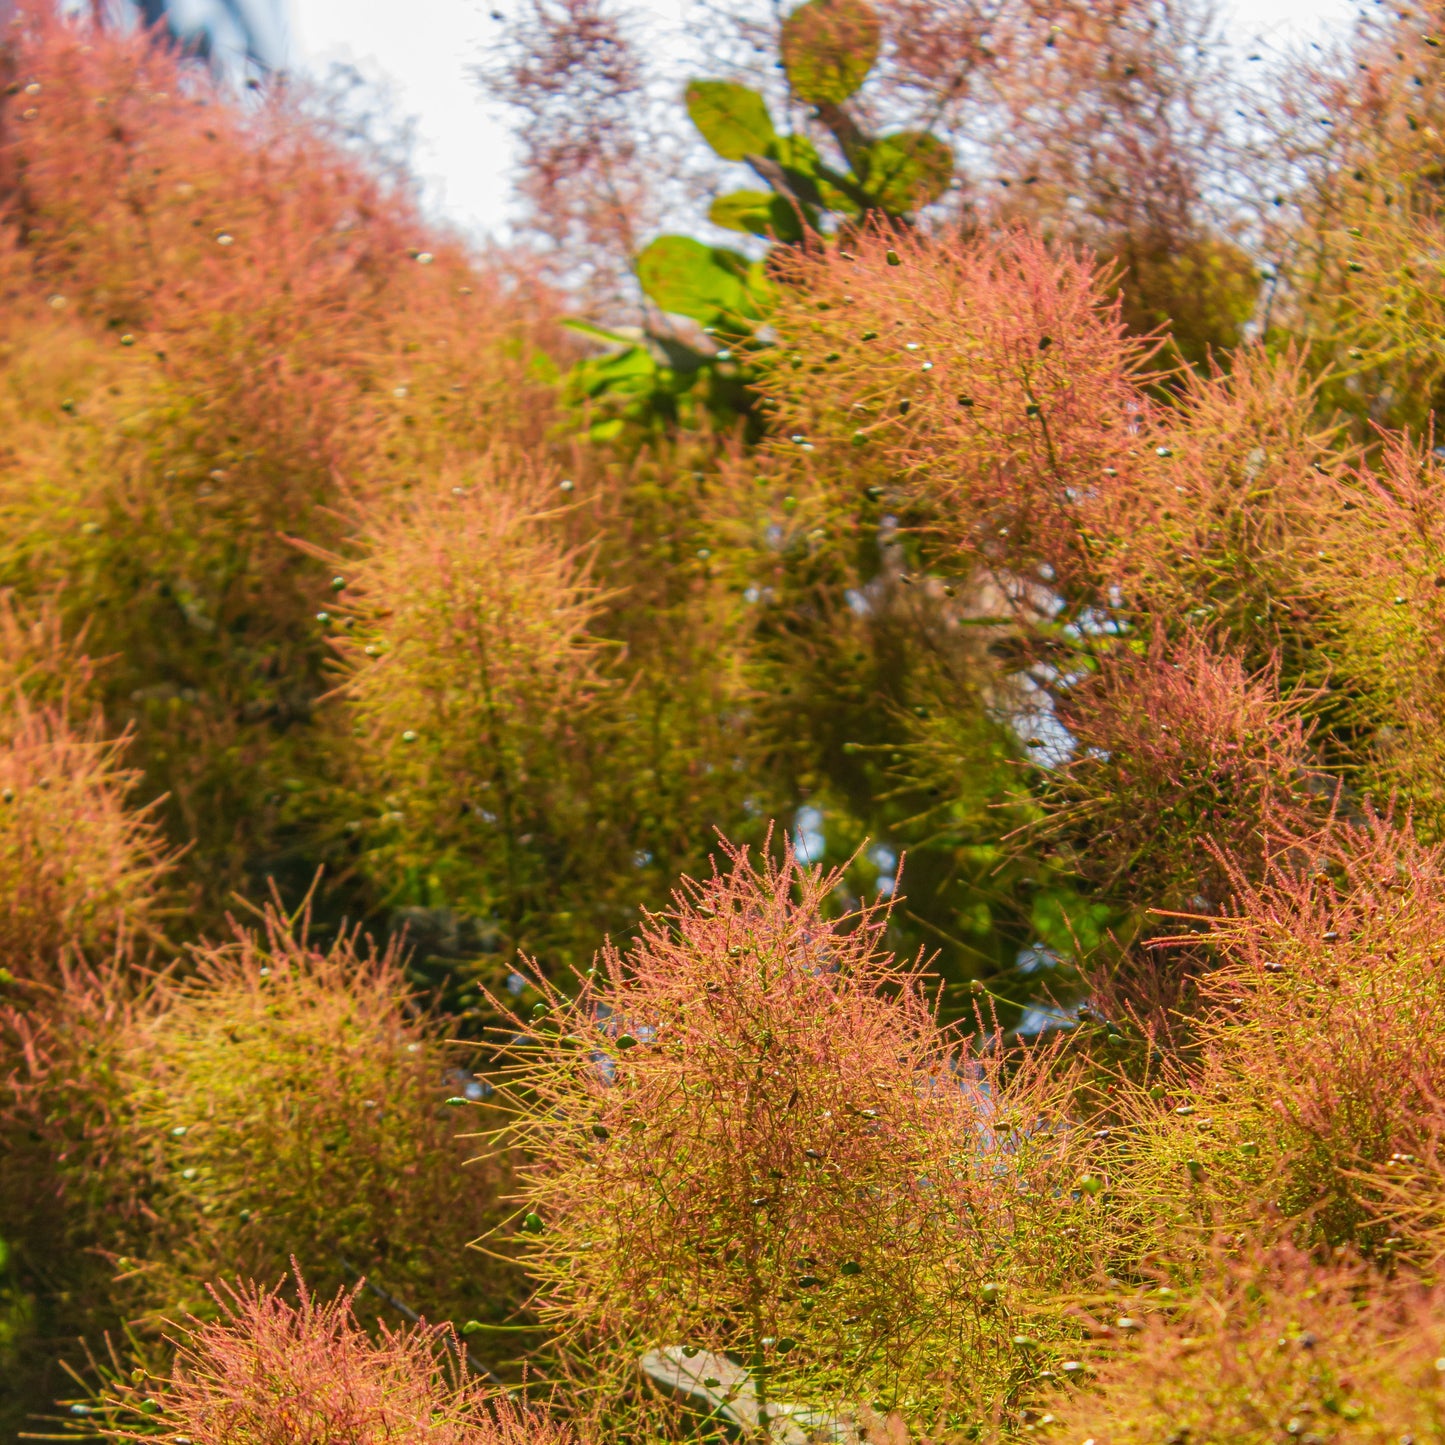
point(822, 824)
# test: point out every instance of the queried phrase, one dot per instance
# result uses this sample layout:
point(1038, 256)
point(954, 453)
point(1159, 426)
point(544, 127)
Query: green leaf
point(760, 289)
point(733, 120)
point(634, 363)
point(708, 283)
point(829, 46)
point(678, 355)
point(799, 158)
point(808, 177)
point(598, 333)
point(742, 211)
point(795, 153)
point(1066, 923)
point(759, 212)
point(907, 171)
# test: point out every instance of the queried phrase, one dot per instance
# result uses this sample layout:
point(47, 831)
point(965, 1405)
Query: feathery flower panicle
point(1223, 525)
point(1352, 132)
point(994, 375)
point(1109, 129)
point(218, 326)
point(1184, 766)
point(266, 1371)
point(1206, 706)
point(289, 1101)
point(591, 163)
point(1272, 1342)
point(40, 659)
point(748, 1135)
point(75, 1190)
point(71, 1172)
point(274, 1101)
point(471, 668)
point(1330, 1018)
point(78, 865)
point(276, 277)
point(1308, 1102)
point(1385, 576)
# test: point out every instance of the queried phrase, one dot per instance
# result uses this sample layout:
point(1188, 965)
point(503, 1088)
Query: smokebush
point(747, 1134)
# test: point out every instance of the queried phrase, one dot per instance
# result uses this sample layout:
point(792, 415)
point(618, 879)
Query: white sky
point(425, 48)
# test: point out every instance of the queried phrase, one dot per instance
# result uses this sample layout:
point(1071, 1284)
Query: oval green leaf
point(758, 212)
point(829, 46)
point(795, 153)
point(733, 120)
point(742, 211)
point(708, 283)
point(908, 170)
